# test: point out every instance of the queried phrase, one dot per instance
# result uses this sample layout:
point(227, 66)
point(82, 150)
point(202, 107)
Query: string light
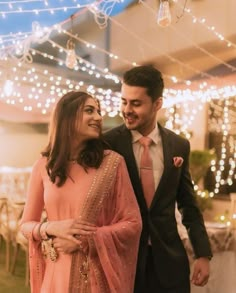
point(58, 84)
point(37, 11)
point(53, 86)
point(222, 124)
point(85, 65)
point(20, 1)
point(8, 88)
point(180, 116)
point(172, 78)
point(101, 9)
point(210, 28)
point(203, 74)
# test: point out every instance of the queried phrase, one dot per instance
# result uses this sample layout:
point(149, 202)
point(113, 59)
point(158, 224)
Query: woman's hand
point(67, 246)
point(70, 229)
point(64, 245)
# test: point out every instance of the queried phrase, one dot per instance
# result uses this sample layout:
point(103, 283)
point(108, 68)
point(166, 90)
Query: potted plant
point(200, 161)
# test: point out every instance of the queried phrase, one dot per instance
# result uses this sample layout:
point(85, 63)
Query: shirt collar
point(154, 135)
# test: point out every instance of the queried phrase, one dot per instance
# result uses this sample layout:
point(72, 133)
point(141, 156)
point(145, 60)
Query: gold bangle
point(38, 232)
point(43, 232)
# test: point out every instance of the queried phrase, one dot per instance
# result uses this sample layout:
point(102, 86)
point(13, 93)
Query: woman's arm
point(31, 218)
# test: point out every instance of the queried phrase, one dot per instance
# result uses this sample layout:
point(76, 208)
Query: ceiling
point(199, 45)
point(47, 13)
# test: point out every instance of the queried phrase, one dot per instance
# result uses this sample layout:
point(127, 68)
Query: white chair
point(233, 209)
point(4, 229)
point(11, 213)
point(18, 241)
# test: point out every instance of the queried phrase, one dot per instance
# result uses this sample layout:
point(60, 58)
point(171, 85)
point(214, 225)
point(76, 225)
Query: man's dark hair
point(148, 77)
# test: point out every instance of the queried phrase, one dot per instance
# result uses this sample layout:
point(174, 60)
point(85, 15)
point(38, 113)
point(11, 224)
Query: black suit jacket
point(170, 258)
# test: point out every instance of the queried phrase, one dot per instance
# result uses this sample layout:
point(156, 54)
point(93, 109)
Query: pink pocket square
point(178, 161)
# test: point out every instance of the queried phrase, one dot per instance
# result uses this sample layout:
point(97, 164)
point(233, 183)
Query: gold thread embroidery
point(49, 250)
point(99, 190)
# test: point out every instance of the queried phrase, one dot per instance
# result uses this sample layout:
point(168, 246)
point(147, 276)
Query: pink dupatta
point(110, 264)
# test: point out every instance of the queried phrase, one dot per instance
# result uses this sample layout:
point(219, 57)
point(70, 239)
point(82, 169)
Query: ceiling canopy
point(17, 17)
point(50, 47)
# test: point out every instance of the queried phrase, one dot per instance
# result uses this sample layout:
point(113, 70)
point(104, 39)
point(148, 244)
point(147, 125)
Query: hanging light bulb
point(71, 60)
point(164, 16)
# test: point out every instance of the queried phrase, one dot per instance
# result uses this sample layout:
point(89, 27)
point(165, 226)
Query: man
point(163, 265)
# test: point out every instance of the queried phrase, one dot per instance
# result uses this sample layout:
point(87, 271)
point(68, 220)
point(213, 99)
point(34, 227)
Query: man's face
point(138, 110)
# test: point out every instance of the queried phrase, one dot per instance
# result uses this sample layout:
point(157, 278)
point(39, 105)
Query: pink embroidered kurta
point(103, 197)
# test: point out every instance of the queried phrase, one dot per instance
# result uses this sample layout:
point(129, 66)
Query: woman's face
point(90, 125)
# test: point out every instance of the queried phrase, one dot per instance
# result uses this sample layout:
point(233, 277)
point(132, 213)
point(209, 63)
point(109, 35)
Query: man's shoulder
point(114, 131)
point(115, 137)
point(171, 134)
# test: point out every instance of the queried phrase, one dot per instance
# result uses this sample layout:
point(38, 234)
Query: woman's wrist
point(43, 231)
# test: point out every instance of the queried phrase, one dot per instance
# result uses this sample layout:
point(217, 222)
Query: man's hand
point(201, 271)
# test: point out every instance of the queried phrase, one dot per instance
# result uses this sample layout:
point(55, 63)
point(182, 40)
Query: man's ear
point(158, 103)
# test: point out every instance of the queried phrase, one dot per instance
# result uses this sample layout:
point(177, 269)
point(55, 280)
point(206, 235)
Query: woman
point(90, 240)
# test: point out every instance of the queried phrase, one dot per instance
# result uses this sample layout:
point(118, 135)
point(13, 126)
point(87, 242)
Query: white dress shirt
point(156, 152)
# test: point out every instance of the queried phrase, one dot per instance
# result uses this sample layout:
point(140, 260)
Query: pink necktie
point(146, 171)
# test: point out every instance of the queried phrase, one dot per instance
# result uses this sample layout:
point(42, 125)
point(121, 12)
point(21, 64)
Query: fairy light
point(228, 147)
point(168, 56)
point(8, 87)
point(183, 35)
point(209, 27)
point(111, 55)
point(100, 9)
point(202, 193)
point(179, 118)
point(173, 96)
point(97, 70)
point(186, 117)
point(181, 122)
point(59, 86)
point(37, 11)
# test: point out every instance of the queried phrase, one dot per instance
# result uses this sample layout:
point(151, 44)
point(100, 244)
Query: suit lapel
point(167, 155)
point(125, 145)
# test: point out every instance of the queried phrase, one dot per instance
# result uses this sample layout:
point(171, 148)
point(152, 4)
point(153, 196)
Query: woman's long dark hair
point(62, 131)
